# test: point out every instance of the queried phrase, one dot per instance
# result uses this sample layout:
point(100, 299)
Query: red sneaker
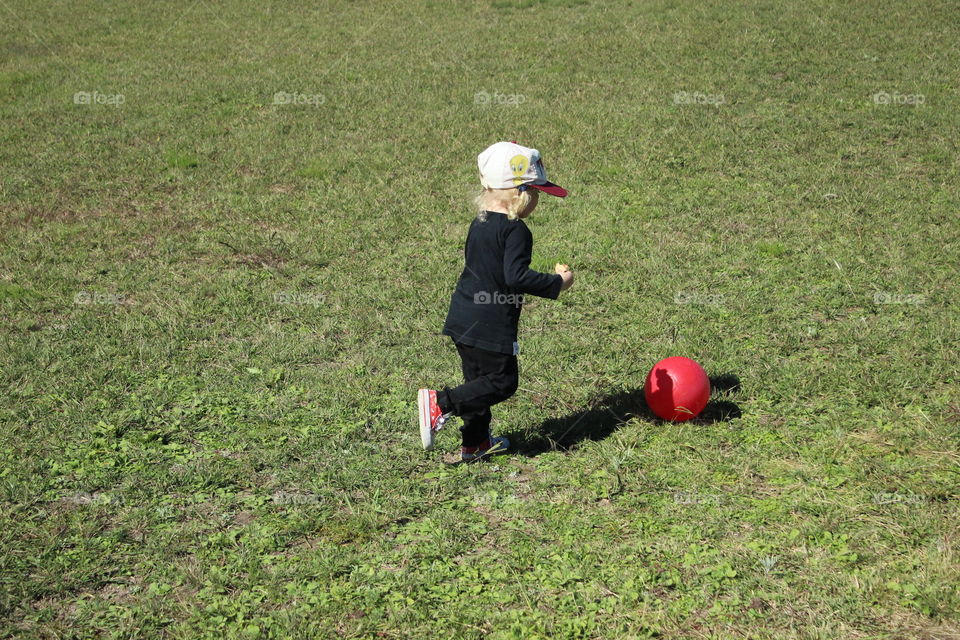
point(431, 418)
point(484, 449)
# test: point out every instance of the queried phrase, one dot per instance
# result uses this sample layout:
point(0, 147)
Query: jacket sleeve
point(518, 249)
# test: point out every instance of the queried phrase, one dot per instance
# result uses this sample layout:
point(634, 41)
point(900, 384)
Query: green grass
point(216, 308)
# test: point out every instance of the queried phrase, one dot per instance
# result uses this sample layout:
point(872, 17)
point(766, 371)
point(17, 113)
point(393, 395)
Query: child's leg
point(489, 378)
point(476, 427)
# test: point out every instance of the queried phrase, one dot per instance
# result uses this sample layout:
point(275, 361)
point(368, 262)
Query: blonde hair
point(513, 200)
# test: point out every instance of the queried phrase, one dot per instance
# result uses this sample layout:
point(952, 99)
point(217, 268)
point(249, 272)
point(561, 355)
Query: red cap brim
point(550, 188)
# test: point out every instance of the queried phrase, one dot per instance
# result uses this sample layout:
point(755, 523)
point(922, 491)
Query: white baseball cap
point(508, 165)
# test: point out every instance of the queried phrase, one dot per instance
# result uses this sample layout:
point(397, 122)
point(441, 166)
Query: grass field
point(230, 231)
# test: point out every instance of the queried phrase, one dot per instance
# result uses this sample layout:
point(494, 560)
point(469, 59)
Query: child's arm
point(516, 267)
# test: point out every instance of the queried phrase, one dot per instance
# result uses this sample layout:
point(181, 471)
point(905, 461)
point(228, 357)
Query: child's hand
point(566, 274)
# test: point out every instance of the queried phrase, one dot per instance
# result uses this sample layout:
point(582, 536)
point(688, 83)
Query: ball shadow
point(724, 383)
point(608, 413)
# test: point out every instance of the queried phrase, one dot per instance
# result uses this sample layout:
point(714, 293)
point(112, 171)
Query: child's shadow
point(609, 413)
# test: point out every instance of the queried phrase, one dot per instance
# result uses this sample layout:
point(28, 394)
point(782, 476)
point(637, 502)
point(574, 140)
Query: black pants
point(489, 377)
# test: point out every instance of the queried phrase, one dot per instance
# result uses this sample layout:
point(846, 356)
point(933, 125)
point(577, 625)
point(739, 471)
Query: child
point(485, 307)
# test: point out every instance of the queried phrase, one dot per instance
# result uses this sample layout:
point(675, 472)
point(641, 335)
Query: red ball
point(677, 389)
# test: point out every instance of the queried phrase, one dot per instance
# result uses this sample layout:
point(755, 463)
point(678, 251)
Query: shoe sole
point(426, 433)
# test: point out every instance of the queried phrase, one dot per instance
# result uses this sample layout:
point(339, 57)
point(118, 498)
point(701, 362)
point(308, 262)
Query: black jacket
point(485, 306)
